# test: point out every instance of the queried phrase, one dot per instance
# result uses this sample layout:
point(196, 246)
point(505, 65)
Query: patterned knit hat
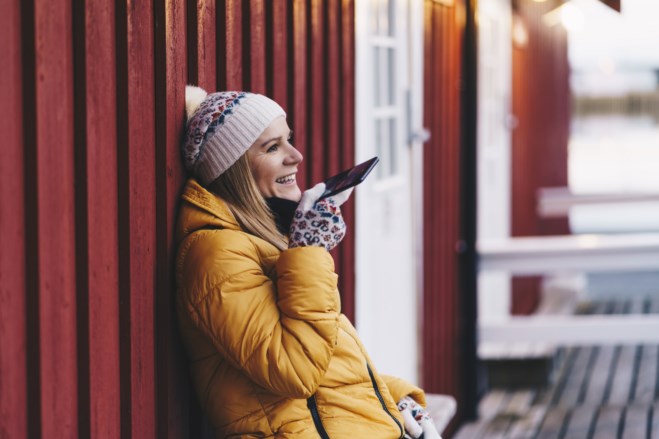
point(221, 128)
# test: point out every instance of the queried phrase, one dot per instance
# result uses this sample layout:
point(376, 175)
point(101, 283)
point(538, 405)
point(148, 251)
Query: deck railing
point(559, 255)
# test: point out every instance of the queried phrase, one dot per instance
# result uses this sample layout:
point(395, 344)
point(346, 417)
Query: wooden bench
point(441, 409)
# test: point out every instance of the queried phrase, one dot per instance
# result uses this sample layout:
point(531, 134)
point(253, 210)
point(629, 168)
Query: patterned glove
point(418, 423)
point(318, 222)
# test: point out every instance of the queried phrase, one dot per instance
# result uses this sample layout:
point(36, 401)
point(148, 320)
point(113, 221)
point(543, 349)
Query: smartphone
point(348, 178)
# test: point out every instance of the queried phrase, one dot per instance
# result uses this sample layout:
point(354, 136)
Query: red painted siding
point(51, 219)
point(539, 156)
point(90, 186)
point(443, 28)
point(13, 336)
point(96, 220)
point(173, 392)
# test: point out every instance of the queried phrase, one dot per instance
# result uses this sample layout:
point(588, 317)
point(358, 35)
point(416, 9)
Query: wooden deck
point(599, 392)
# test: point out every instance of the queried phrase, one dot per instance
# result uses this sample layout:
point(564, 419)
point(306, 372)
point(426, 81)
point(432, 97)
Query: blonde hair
point(237, 187)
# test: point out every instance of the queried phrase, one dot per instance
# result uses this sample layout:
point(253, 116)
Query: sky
point(612, 52)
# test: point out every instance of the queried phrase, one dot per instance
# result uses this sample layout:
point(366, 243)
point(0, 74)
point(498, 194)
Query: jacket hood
point(202, 209)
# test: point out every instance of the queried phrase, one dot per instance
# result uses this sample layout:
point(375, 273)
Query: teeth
point(286, 179)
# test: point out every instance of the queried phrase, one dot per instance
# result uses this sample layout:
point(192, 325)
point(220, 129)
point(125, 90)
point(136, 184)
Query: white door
point(494, 152)
point(389, 76)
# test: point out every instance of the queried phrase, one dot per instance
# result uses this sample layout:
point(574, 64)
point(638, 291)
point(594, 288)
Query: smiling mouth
point(288, 179)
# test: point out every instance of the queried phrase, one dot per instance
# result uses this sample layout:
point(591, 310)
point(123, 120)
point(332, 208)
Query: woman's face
point(273, 161)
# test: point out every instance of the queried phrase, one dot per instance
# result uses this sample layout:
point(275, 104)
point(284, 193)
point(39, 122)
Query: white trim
point(574, 330)
point(557, 201)
point(540, 255)
point(386, 112)
point(380, 41)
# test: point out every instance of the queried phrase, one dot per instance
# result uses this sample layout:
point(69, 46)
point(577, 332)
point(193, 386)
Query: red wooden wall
point(92, 116)
point(541, 103)
point(444, 32)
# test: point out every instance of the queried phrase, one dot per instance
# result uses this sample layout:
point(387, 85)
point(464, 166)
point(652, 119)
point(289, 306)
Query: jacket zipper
point(313, 408)
point(384, 406)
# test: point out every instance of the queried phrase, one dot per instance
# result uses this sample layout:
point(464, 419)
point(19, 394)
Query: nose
point(294, 156)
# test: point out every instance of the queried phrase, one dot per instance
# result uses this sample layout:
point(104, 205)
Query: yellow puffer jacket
point(271, 354)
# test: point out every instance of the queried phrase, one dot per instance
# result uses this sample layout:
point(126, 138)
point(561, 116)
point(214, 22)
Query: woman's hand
point(318, 222)
point(417, 420)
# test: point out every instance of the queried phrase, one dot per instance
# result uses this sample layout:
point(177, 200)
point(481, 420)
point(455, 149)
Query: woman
point(271, 354)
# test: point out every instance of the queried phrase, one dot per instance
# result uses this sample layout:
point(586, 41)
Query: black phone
point(348, 178)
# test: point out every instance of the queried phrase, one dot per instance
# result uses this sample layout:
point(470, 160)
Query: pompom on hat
point(221, 127)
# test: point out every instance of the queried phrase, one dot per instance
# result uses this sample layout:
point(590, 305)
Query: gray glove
point(418, 423)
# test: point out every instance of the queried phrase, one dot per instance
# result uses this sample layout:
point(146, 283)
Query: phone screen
point(349, 178)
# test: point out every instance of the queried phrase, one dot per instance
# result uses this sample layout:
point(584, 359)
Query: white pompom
point(194, 96)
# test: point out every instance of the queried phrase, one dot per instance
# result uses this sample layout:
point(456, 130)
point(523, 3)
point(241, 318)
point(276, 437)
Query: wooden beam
point(574, 330)
point(548, 254)
point(613, 4)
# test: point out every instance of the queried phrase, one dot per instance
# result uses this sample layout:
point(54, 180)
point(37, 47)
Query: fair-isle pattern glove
point(418, 423)
point(318, 222)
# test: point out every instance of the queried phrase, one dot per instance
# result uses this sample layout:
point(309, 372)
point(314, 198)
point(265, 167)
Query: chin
point(292, 195)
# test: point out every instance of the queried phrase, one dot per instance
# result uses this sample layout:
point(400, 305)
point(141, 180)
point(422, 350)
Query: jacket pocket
point(313, 408)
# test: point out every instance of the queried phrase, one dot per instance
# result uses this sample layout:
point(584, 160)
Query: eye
point(274, 147)
point(290, 136)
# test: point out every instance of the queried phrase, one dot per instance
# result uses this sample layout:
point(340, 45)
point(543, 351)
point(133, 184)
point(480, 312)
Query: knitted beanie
point(221, 128)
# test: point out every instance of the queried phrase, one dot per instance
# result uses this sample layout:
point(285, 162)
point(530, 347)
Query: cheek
point(263, 175)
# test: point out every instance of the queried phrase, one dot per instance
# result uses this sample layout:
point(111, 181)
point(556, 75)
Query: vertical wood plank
point(443, 33)
point(431, 277)
point(96, 220)
point(136, 172)
point(329, 113)
point(173, 390)
point(206, 45)
point(316, 158)
point(279, 64)
point(256, 31)
point(332, 87)
point(346, 71)
point(230, 45)
point(55, 218)
point(31, 250)
point(444, 27)
point(300, 81)
point(455, 330)
point(428, 351)
point(539, 142)
point(13, 397)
